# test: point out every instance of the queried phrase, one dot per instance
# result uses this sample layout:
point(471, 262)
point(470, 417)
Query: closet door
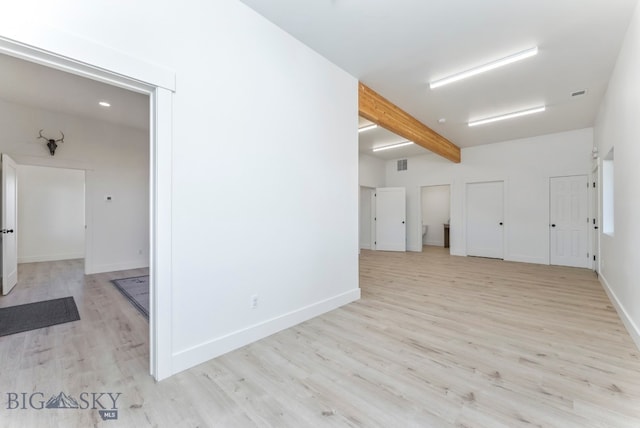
point(485, 219)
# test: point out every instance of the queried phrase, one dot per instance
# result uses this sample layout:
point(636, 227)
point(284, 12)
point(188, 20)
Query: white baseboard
point(117, 266)
point(631, 326)
point(50, 258)
point(435, 243)
point(526, 259)
point(208, 350)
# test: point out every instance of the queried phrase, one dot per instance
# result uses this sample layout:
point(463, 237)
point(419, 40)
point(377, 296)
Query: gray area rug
point(135, 289)
point(31, 316)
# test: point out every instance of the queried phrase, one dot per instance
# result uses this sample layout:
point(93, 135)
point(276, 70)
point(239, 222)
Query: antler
point(41, 136)
point(61, 139)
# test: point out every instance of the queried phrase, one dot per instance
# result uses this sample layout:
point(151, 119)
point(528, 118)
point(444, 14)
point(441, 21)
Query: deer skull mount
point(51, 143)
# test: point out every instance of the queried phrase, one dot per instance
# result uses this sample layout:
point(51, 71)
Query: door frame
point(69, 53)
point(420, 208)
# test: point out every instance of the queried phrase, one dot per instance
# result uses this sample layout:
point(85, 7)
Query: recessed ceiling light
point(507, 116)
point(367, 127)
point(485, 67)
point(392, 146)
point(104, 104)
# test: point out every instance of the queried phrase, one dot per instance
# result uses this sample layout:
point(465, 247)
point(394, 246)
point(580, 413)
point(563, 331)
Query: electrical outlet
point(254, 301)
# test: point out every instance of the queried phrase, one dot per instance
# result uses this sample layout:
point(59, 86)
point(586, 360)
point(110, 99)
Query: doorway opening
point(99, 63)
point(435, 204)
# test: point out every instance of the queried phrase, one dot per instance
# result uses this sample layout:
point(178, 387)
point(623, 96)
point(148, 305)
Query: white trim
point(631, 326)
point(160, 327)
point(527, 259)
point(207, 350)
point(117, 266)
point(66, 52)
point(50, 258)
point(85, 58)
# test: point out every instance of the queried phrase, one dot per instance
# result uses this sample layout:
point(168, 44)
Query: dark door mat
point(135, 289)
point(31, 316)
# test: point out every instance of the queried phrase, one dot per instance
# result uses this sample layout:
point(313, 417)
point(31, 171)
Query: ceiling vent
point(578, 93)
point(402, 165)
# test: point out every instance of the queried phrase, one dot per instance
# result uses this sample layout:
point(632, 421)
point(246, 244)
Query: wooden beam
point(372, 106)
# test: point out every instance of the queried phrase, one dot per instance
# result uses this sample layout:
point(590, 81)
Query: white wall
point(50, 214)
point(251, 108)
point(617, 126)
point(436, 211)
point(116, 161)
point(371, 171)
point(524, 165)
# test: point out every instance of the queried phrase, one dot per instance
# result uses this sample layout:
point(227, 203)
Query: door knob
point(553, 225)
point(402, 221)
point(500, 223)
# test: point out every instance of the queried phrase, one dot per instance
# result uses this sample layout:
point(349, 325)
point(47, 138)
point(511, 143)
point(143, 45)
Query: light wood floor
point(435, 341)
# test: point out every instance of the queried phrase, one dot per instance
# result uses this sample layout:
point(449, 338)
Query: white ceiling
point(34, 85)
point(397, 47)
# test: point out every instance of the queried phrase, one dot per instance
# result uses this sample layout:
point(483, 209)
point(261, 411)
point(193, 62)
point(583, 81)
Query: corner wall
point(264, 164)
point(617, 126)
point(524, 165)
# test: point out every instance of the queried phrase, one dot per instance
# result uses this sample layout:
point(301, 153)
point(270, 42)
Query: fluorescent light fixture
point(392, 146)
point(486, 67)
point(367, 127)
point(104, 104)
point(507, 116)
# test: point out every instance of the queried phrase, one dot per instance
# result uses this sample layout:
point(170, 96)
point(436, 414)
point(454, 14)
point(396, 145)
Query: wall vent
point(578, 93)
point(402, 165)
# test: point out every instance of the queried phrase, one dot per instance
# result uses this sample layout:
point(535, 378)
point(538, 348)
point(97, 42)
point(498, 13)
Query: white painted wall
point(251, 108)
point(617, 126)
point(50, 214)
point(116, 161)
point(436, 211)
point(524, 165)
point(371, 171)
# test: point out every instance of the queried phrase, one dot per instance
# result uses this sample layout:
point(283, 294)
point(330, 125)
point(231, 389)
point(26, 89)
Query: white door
point(568, 221)
point(485, 219)
point(594, 223)
point(367, 215)
point(9, 189)
point(390, 219)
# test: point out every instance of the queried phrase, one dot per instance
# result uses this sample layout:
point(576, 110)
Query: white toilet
point(425, 227)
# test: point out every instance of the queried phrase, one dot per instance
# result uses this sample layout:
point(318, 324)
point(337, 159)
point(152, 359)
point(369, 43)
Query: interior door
point(595, 223)
point(485, 219)
point(569, 221)
point(390, 219)
point(9, 190)
point(367, 232)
